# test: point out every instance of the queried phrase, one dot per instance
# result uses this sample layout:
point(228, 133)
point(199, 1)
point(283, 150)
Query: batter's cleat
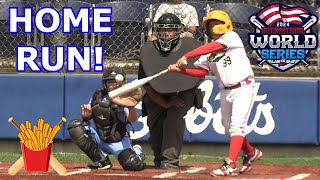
point(248, 160)
point(101, 164)
point(227, 169)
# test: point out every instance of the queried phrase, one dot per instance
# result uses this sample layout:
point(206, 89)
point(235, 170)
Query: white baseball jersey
point(230, 66)
point(186, 13)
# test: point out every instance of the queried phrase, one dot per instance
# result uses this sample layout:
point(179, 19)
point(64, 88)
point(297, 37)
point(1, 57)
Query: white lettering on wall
point(207, 114)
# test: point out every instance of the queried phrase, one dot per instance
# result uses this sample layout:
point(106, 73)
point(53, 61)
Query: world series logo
point(283, 36)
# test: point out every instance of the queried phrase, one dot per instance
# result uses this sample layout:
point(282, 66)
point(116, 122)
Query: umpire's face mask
point(167, 34)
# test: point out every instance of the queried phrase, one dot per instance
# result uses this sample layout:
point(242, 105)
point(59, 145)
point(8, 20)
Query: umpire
point(170, 96)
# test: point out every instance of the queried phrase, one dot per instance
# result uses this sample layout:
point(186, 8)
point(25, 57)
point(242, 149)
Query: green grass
point(308, 161)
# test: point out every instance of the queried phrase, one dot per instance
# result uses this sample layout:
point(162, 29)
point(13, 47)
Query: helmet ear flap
point(219, 29)
point(207, 32)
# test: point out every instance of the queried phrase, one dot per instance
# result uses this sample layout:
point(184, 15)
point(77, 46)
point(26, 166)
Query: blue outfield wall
point(284, 112)
point(29, 97)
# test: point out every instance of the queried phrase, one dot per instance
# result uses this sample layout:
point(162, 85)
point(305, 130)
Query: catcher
point(110, 135)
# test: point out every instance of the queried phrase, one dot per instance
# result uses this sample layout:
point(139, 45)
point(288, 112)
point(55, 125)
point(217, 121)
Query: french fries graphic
point(40, 136)
point(37, 138)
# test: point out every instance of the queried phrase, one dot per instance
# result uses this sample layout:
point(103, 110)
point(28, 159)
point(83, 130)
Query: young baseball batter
point(226, 57)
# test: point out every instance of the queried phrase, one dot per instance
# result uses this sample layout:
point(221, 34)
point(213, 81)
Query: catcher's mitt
point(130, 99)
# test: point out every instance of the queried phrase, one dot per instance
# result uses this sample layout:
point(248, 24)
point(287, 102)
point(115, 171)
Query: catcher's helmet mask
point(166, 23)
point(109, 78)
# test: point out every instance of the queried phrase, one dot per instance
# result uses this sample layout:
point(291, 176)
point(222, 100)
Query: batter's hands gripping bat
point(134, 85)
point(54, 163)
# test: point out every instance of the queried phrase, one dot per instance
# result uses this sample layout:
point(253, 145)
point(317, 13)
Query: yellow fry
point(54, 132)
point(36, 133)
point(35, 129)
point(21, 137)
point(34, 139)
point(49, 132)
point(40, 124)
point(46, 142)
point(28, 143)
point(22, 127)
point(28, 124)
point(40, 139)
point(45, 129)
point(27, 134)
point(24, 136)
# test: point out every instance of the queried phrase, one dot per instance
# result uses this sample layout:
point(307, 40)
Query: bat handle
point(63, 120)
point(11, 120)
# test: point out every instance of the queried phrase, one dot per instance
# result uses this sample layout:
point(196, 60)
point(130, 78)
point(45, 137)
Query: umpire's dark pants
point(167, 128)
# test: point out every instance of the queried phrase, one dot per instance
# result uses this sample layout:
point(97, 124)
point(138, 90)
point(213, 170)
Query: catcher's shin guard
point(84, 141)
point(130, 161)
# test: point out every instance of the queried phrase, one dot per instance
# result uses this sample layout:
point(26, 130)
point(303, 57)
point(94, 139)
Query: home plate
point(193, 170)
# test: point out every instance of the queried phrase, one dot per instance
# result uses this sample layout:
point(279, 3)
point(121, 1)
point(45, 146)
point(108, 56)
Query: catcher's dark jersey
point(109, 120)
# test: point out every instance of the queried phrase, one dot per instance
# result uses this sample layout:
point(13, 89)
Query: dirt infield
point(187, 171)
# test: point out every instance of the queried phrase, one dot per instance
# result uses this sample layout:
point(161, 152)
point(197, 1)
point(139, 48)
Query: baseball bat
point(256, 22)
point(15, 168)
point(54, 163)
point(135, 84)
point(57, 166)
point(311, 22)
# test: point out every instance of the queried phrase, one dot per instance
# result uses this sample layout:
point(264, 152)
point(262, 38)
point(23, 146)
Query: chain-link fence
point(132, 25)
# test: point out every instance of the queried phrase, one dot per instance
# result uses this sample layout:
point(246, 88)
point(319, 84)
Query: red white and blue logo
point(283, 36)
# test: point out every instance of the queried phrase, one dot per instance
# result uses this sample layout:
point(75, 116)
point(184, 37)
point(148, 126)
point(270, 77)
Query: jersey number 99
point(226, 61)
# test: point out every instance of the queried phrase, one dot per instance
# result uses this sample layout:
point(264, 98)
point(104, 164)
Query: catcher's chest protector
point(153, 62)
point(109, 127)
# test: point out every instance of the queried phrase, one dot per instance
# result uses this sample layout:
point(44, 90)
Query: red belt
point(246, 82)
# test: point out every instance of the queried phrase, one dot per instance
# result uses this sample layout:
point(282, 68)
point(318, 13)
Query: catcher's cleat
point(227, 169)
point(248, 159)
point(101, 165)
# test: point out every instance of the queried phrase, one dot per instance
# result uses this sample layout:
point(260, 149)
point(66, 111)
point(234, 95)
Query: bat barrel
point(128, 87)
point(133, 85)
